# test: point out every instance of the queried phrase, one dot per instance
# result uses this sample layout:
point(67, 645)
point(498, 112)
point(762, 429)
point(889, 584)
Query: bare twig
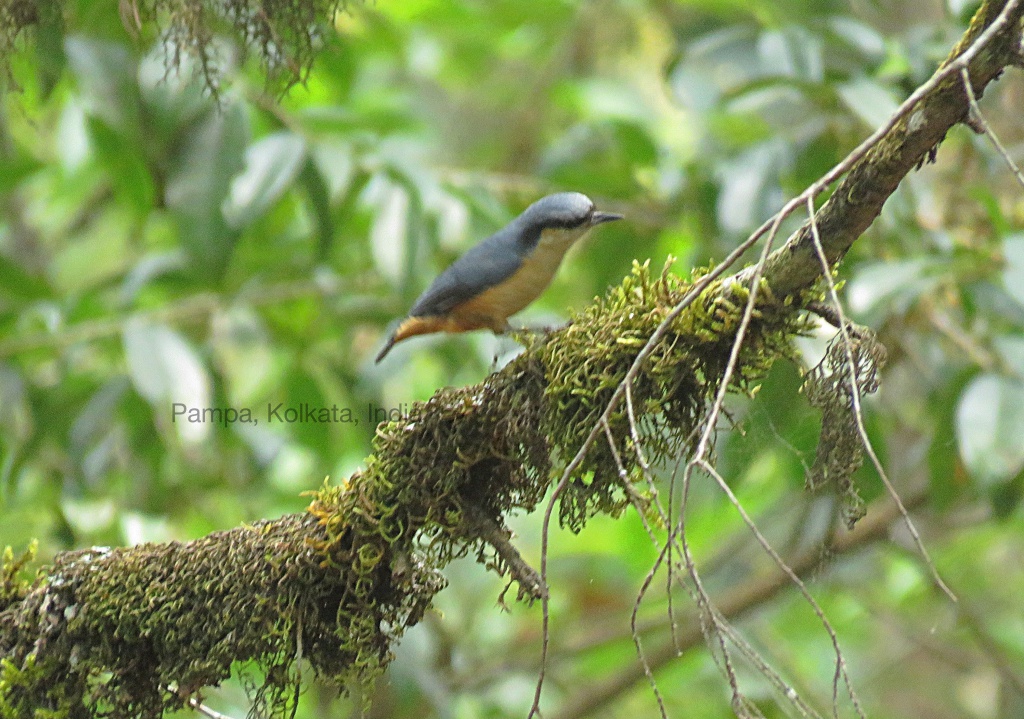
point(647, 580)
point(986, 129)
point(800, 268)
point(754, 657)
point(955, 65)
point(859, 153)
point(961, 339)
point(703, 446)
point(196, 704)
point(530, 583)
point(858, 412)
point(634, 434)
point(191, 309)
point(1007, 666)
point(205, 710)
point(841, 671)
point(735, 604)
point(698, 287)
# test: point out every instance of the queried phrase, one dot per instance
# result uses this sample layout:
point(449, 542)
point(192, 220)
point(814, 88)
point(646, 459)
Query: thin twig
point(841, 671)
point(703, 445)
point(205, 710)
point(647, 580)
point(754, 657)
point(707, 611)
point(857, 411)
point(665, 518)
point(499, 538)
point(189, 309)
point(662, 329)
point(961, 339)
point(196, 704)
point(986, 128)
point(736, 602)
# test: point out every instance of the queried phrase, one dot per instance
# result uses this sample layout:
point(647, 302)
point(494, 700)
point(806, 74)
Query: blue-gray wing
point(488, 264)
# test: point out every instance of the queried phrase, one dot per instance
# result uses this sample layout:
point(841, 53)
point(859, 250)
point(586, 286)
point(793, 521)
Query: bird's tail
point(387, 347)
point(412, 326)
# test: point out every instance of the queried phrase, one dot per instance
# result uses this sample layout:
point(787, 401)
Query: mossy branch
point(135, 631)
point(876, 168)
point(142, 629)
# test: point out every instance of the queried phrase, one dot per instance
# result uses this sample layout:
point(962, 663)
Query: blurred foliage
point(161, 249)
point(283, 35)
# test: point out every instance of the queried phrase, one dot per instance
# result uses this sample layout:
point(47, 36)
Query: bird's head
point(563, 218)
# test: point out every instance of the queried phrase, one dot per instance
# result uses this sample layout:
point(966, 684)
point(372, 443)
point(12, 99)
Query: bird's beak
point(601, 217)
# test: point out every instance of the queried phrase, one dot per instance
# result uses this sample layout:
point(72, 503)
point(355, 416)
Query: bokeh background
point(159, 245)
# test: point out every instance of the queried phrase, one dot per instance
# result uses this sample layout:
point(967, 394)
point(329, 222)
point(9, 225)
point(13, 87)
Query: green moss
point(586, 362)
point(13, 586)
point(136, 631)
point(493, 444)
point(19, 690)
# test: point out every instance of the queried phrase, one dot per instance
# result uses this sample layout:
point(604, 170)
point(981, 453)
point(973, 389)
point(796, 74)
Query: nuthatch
point(504, 273)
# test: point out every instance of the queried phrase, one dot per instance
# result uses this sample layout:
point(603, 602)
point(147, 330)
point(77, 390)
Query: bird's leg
point(521, 335)
point(502, 331)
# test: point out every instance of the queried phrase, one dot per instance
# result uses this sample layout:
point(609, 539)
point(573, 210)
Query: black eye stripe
point(568, 223)
point(565, 224)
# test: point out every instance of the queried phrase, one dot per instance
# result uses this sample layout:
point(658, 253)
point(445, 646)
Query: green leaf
point(198, 184)
point(891, 286)
point(90, 433)
point(791, 51)
point(1011, 349)
point(171, 99)
point(747, 186)
point(166, 371)
point(302, 389)
point(126, 166)
point(315, 185)
point(16, 167)
point(106, 78)
point(989, 427)
point(147, 269)
point(271, 166)
point(860, 35)
point(714, 65)
point(870, 100)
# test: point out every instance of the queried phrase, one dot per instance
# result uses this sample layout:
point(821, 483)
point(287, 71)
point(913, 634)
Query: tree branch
point(910, 139)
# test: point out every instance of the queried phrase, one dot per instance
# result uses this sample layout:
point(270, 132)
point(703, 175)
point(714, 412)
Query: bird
point(504, 273)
